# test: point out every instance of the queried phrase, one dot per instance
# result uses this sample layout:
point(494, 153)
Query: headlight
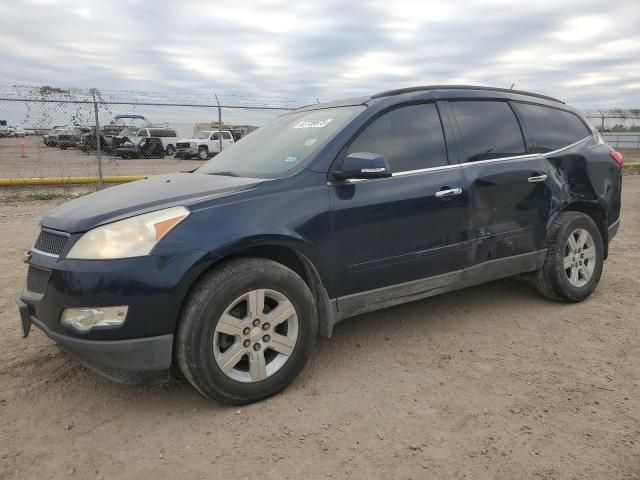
point(132, 237)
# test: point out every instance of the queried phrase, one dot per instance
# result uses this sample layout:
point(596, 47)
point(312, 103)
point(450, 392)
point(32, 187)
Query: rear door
point(509, 188)
point(400, 236)
point(227, 139)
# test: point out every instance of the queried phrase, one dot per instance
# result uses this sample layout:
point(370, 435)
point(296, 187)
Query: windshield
point(283, 146)
point(134, 140)
point(128, 132)
point(203, 135)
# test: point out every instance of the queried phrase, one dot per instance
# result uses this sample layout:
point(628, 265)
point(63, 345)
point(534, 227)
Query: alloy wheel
point(255, 336)
point(579, 257)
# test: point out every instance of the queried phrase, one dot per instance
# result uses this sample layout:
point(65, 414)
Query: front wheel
point(170, 150)
point(575, 258)
point(203, 153)
point(247, 331)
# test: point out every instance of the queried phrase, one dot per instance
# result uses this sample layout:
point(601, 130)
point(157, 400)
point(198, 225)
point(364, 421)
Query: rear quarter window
point(550, 128)
point(488, 130)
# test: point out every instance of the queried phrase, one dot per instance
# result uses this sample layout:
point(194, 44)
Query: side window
point(226, 135)
point(550, 128)
point(410, 138)
point(215, 136)
point(143, 133)
point(488, 130)
point(171, 133)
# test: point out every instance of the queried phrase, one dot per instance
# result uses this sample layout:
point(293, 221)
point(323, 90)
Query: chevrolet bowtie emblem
point(26, 256)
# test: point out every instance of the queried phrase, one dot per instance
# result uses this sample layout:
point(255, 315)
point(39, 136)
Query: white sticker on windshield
point(314, 123)
point(291, 159)
point(310, 142)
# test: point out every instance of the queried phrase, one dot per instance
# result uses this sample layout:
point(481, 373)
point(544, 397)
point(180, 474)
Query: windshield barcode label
point(313, 123)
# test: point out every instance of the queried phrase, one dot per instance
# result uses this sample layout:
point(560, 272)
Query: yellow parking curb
point(17, 182)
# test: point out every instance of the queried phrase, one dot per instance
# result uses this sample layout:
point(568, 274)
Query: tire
point(203, 153)
point(170, 150)
point(577, 282)
point(63, 147)
point(201, 331)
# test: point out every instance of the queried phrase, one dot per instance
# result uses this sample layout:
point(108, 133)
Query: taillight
point(617, 157)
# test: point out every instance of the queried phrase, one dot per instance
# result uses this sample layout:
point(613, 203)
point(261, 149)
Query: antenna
point(512, 85)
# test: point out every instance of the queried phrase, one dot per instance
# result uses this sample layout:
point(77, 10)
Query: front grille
point(37, 280)
point(182, 145)
point(51, 242)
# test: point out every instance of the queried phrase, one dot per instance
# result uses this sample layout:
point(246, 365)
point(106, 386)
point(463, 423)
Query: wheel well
point(596, 213)
point(302, 266)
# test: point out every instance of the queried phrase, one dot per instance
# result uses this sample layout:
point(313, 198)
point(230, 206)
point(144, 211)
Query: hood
point(143, 196)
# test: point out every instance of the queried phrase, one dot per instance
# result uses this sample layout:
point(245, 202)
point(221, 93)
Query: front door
point(406, 234)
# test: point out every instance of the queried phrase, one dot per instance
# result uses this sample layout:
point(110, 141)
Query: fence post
point(219, 123)
point(98, 152)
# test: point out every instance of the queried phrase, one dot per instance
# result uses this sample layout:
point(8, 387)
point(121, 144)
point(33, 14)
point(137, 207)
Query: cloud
point(578, 50)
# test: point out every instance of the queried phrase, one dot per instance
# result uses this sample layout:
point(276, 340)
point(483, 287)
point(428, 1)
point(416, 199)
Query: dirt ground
point(491, 382)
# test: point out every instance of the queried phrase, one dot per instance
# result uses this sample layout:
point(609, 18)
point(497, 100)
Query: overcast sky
point(587, 53)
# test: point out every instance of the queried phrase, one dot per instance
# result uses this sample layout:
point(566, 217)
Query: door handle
point(452, 192)
point(537, 179)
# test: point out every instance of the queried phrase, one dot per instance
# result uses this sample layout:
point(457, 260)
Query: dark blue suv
point(230, 272)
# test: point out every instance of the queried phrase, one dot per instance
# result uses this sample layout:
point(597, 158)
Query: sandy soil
point(490, 382)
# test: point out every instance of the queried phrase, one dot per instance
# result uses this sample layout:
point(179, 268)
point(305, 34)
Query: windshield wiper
point(225, 174)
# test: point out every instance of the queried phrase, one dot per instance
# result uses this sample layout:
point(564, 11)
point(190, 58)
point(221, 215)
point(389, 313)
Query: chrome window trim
point(462, 165)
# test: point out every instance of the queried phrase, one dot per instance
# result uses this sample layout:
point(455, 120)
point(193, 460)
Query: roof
point(400, 91)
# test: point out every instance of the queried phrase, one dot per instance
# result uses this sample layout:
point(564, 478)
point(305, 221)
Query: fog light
point(84, 319)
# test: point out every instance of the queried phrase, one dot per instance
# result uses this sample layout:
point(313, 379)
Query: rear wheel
point(170, 150)
point(246, 332)
point(574, 260)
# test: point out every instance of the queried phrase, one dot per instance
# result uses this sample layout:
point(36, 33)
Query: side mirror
point(363, 165)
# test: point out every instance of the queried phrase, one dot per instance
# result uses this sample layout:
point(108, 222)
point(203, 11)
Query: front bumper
point(131, 361)
point(187, 152)
point(153, 287)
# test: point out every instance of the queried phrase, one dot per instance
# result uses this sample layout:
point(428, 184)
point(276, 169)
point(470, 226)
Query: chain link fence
point(57, 136)
point(83, 136)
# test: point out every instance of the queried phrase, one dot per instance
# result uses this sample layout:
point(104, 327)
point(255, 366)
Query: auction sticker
point(314, 123)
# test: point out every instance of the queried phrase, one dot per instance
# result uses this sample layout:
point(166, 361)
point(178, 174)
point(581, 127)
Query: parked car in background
point(50, 138)
point(70, 137)
point(123, 136)
point(230, 272)
point(168, 136)
point(203, 144)
point(87, 141)
point(141, 147)
point(19, 132)
point(119, 123)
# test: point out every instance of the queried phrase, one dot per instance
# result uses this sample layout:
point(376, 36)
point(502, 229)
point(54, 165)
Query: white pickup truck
point(203, 144)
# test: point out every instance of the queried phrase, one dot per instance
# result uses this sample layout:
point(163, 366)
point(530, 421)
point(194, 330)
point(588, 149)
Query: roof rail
point(399, 91)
